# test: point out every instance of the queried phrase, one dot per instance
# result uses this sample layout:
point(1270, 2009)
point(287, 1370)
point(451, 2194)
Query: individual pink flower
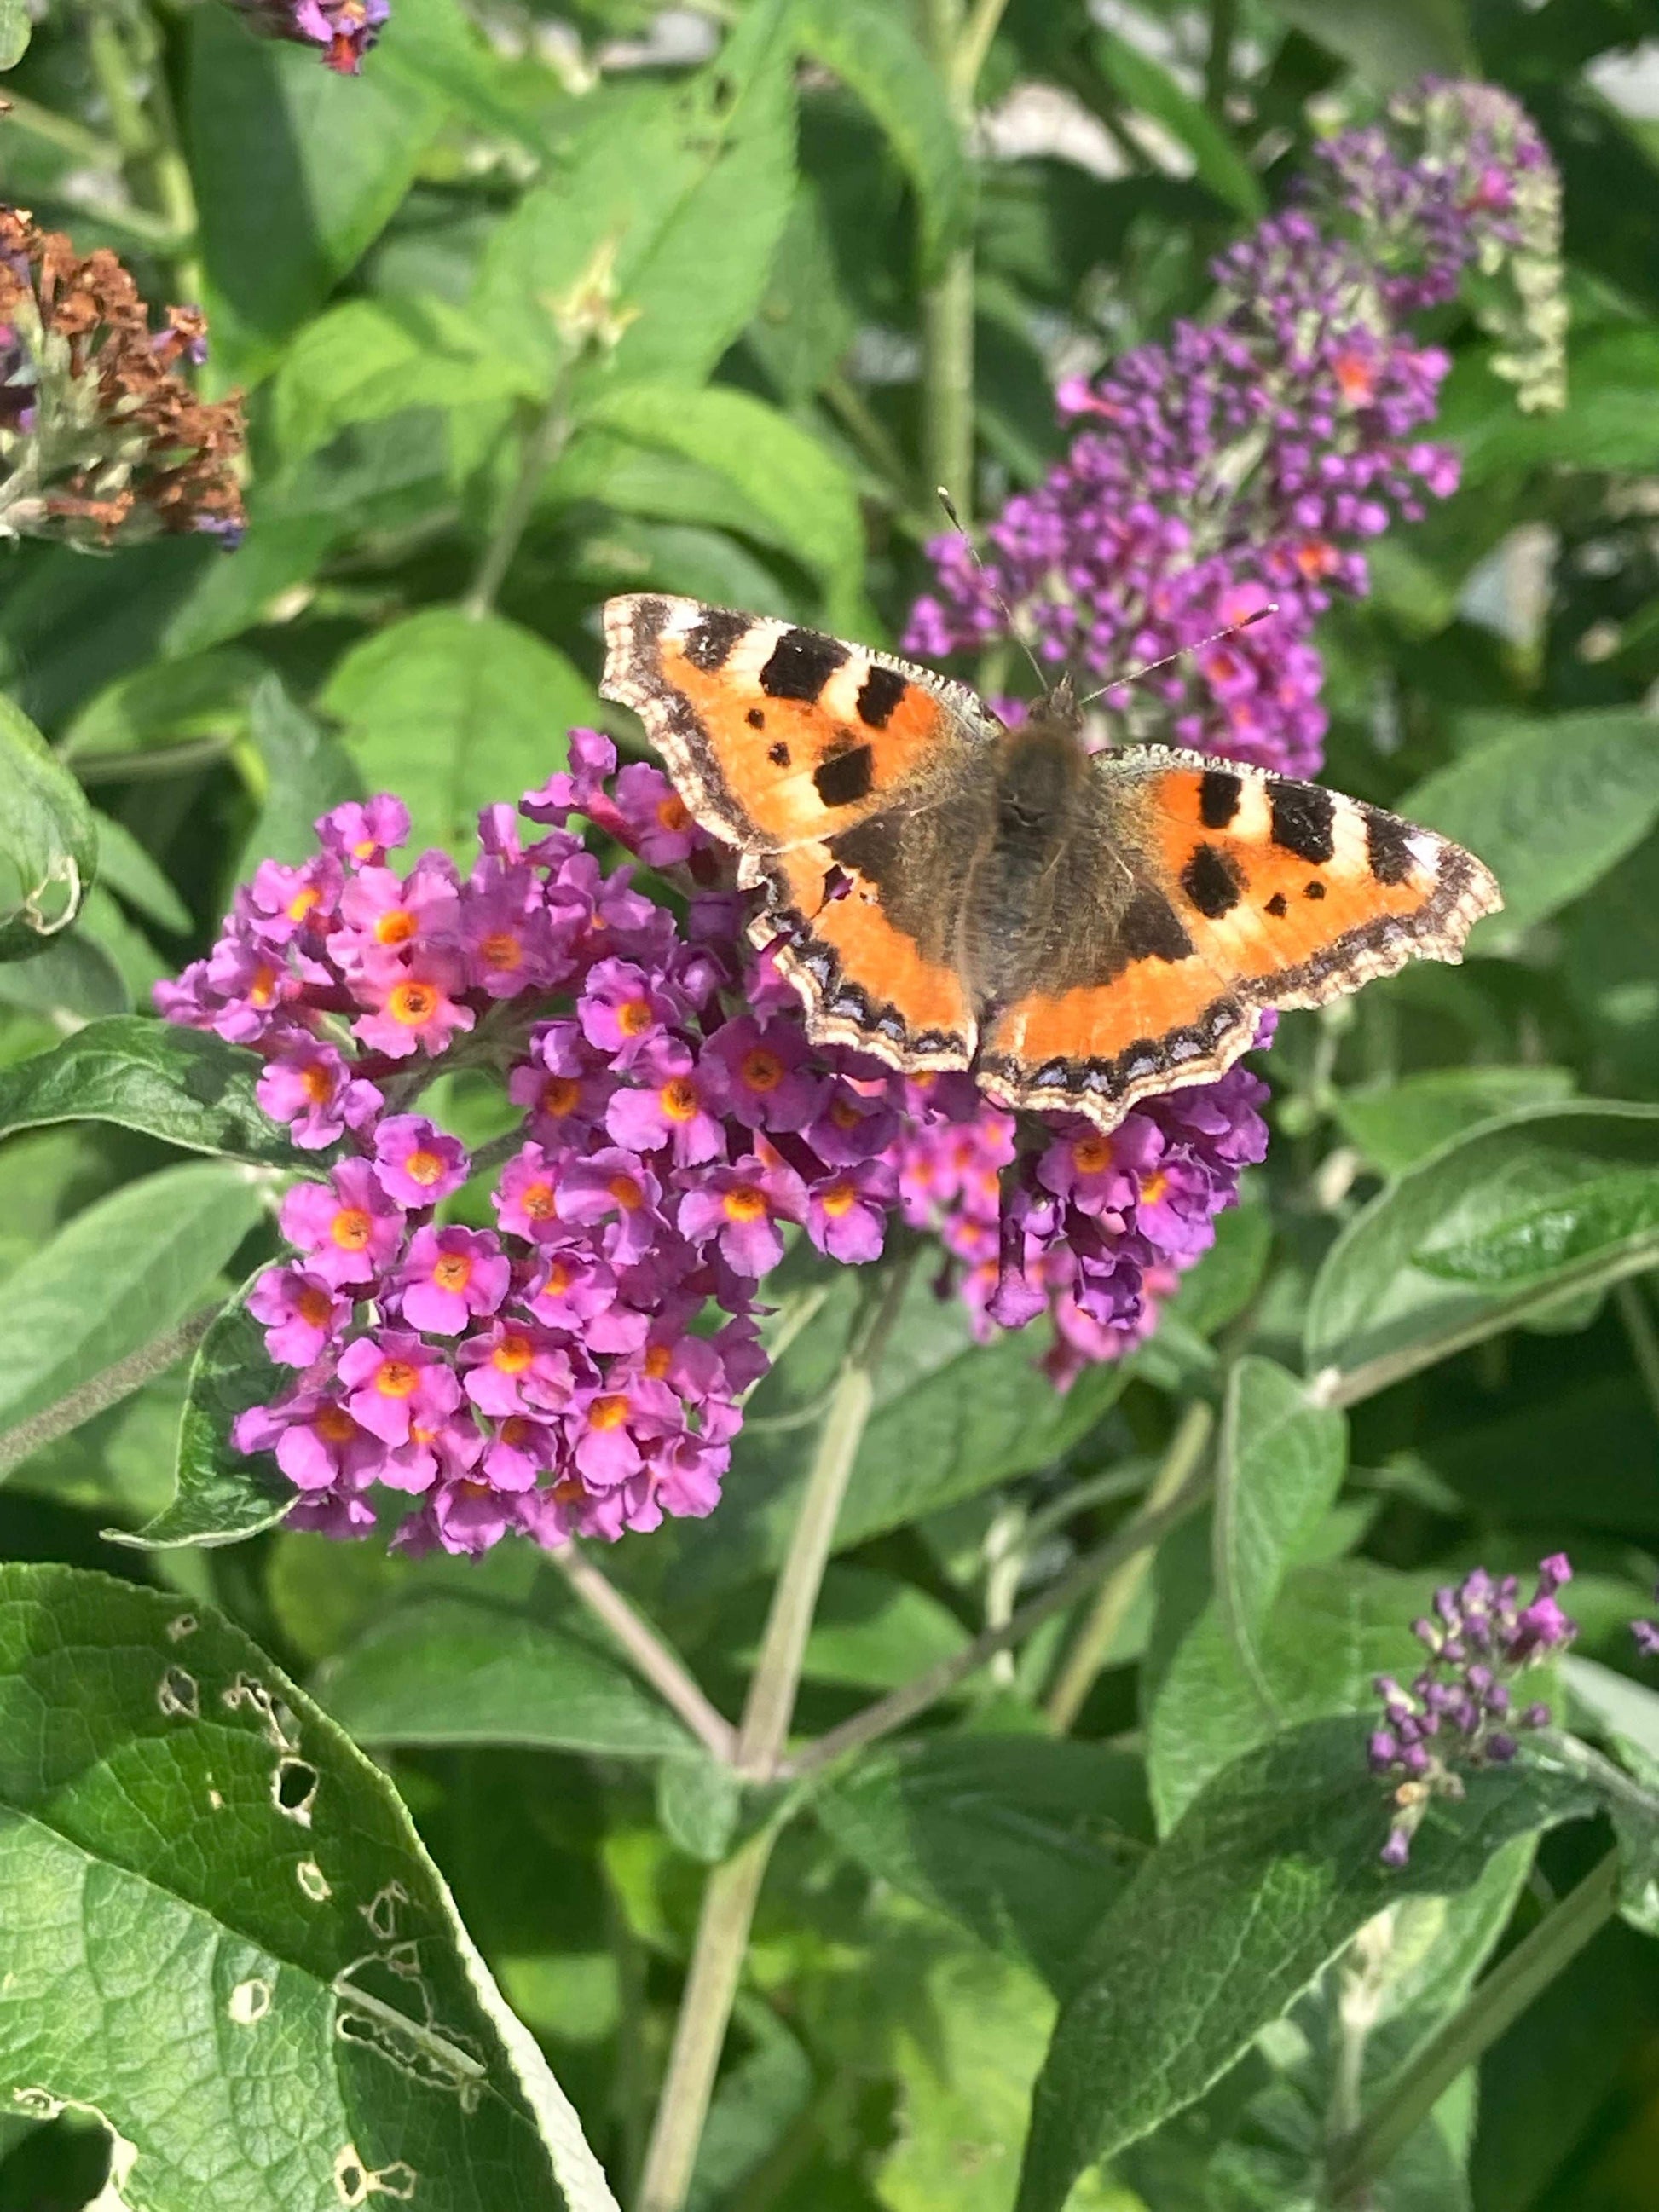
point(308, 1084)
point(303, 1314)
point(469, 1516)
point(616, 1186)
point(253, 984)
point(365, 833)
point(526, 1196)
point(414, 1005)
point(615, 1430)
point(667, 1109)
point(570, 1289)
point(436, 1448)
point(853, 1123)
point(317, 1443)
point(757, 1073)
point(450, 1277)
point(847, 1213)
point(383, 914)
point(522, 1448)
point(509, 943)
point(654, 817)
point(416, 1163)
point(563, 1086)
point(392, 1380)
point(1099, 1173)
point(515, 1367)
point(285, 903)
point(348, 1227)
point(623, 1010)
point(739, 1208)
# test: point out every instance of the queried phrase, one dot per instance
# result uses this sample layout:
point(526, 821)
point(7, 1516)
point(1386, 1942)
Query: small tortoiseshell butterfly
point(1078, 932)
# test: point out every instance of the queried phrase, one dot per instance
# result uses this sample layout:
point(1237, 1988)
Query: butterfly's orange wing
point(1248, 890)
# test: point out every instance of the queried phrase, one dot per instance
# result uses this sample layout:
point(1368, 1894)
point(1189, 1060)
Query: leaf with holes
point(223, 1935)
point(48, 845)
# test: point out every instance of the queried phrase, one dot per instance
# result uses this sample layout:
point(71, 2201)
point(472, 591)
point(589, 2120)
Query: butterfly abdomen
point(1009, 910)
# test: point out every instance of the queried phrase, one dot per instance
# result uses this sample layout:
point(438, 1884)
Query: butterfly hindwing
point(777, 736)
point(1247, 890)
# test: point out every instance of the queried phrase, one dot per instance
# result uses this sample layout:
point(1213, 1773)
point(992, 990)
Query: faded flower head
point(1461, 1710)
point(100, 441)
point(1247, 461)
point(581, 1367)
point(345, 30)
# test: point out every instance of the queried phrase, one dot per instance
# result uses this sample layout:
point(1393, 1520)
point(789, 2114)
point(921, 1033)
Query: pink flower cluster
point(1246, 461)
point(580, 1369)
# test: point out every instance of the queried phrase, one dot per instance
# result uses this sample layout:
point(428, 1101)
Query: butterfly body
point(1077, 930)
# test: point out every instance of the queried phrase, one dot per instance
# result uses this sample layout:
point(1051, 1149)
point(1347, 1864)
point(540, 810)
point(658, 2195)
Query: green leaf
point(1271, 1870)
point(1389, 43)
point(296, 172)
point(876, 53)
point(185, 1086)
point(14, 29)
point(1279, 1465)
point(124, 866)
point(1024, 1840)
point(699, 1802)
point(452, 1670)
point(1399, 1122)
point(223, 1936)
point(122, 1273)
point(1595, 1214)
point(684, 189)
point(48, 845)
point(452, 713)
point(220, 1495)
point(795, 483)
point(71, 979)
point(1375, 1303)
point(201, 695)
point(1549, 805)
point(367, 359)
point(1148, 86)
point(307, 772)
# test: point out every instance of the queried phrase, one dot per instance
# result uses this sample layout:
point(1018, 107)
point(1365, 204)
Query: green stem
point(1087, 1655)
point(973, 44)
point(731, 1891)
point(175, 193)
point(1218, 63)
point(112, 70)
point(1497, 2002)
point(116, 1382)
point(938, 1681)
point(541, 448)
point(646, 1652)
point(947, 304)
point(155, 761)
point(1643, 1338)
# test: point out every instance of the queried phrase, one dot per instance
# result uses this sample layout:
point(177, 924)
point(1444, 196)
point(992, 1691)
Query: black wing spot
point(1388, 846)
point(1279, 906)
point(709, 647)
point(1150, 929)
point(878, 695)
point(1302, 818)
point(801, 664)
point(1218, 794)
point(1313, 890)
point(1212, 880)
point(778, 754)
point(755, 718)
point(841, 779)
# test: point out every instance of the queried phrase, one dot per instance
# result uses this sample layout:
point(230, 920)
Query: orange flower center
point(1154, 1187)
point(513, 1353)
point(558, 1280)
point(423, 1167)
point(627, 1192)
point(672, 813)
point(658, 1361)
point(607, 1412)
point(1092, 1154)
point(263, 989)
point(537, 1200)
point(745, 1203)
point(678, 1098)
point(502, 950)
point(412, 1004)
point(302, 901)
point(395, 927)
point(364, 849)
point(762, 1070)
point(318, 1084)
point(453, 1271)
point(515, 1430)
point(351, 1229)
point(845, 1114)
point(1315, 558)
point(1356, 379)
point(839, 1199)
point(335, 1425)
point(396, 1378)
point(313, 1307)
point(633, 1016)
point(559, 1096)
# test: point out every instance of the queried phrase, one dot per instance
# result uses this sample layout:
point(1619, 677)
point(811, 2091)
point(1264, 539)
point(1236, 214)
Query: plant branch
point(938, 1681)
point(1495, 2005)
point(651, 1658)
point(1218, 63)
point(120, 1381)
point(1083, 1662)
point(156, 761)
point(947, 303)
point(973, 44)
point(541, 448)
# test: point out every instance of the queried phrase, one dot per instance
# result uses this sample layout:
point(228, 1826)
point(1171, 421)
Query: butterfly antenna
point(1198, 645)
point(957, 524)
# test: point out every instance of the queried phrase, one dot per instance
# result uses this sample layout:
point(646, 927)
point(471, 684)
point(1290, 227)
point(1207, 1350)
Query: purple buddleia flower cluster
point(1246, 462)
point(1646, 1633)
point(343, 30)
point(1461, 1710)
point(580, 1369)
